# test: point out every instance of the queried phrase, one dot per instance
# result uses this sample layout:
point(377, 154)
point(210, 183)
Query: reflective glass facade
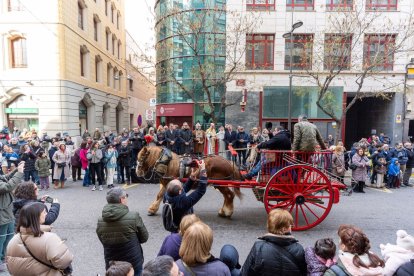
point(191, 41)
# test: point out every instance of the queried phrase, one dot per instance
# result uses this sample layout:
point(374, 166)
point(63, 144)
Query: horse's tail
point(238, 193)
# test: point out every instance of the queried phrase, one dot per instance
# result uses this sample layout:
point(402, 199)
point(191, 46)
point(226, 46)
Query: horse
point(217, 168)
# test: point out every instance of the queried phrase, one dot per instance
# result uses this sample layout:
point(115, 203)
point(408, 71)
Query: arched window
point(116, 78)
point(18, 52)
point(109, 76)
point(84, 61)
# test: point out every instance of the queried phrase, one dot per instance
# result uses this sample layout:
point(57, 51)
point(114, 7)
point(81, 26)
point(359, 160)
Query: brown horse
point(217, 167)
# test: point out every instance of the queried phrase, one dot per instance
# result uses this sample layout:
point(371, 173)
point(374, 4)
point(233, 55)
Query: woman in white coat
point(62, 161)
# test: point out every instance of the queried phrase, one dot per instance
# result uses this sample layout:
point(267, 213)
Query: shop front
point(175, 113)
point(22, 113)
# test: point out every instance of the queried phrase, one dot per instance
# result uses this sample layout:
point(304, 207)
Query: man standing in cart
point(306, 136)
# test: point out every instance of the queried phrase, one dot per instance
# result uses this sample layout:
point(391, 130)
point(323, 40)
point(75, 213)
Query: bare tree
point(199, 51)
point(354, 50)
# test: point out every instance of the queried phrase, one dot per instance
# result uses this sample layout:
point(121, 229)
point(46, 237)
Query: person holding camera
point(176, 194)
point(62, 161)
point(8, 183)
point(27, 192)
point(94, 156)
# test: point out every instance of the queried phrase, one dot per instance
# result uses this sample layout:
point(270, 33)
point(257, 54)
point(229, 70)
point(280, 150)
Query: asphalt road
point(379, 213)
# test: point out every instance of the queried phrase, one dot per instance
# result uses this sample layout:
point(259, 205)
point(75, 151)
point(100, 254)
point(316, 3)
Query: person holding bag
point(34, 250)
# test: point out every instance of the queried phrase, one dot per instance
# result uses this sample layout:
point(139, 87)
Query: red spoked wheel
point(304, 191)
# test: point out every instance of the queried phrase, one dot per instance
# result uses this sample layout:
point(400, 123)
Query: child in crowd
point(11, 157)
point(393, 174)
point(321, 257)
point(42, 166)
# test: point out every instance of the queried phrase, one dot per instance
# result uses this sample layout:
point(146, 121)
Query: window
point(259, 53)
point(120, 76)
point(260, 5)
point(118, 18)
point(337, 52)
point(18, 52)
point(116, 78)
point(381, 5)
point(98, 69)
point(83, 54)
point(106, 7)
point(342, 5)
point(379, 51)
point(96, 27)
point(131, 84)
point(300, 5)
point(119, 49)
point(80, 15)
point(14, 5)
point(301, 52)
point(108, 38)
point(113, 44)
point(109, 76)
point(112, 13)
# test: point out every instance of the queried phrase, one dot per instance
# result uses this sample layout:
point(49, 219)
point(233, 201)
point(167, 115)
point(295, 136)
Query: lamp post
point(286, 36)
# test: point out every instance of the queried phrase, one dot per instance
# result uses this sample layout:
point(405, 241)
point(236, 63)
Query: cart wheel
point(304, 191)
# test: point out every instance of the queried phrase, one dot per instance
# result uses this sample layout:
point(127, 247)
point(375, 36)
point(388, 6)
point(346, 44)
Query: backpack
point(168, 218)
point(338, 270)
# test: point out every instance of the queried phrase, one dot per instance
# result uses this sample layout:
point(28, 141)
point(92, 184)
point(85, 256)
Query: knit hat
point(405, 241)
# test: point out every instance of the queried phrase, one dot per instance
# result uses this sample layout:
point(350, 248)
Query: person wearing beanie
point(397, 255)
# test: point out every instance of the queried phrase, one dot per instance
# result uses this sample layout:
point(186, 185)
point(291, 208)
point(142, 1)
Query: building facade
point(140, 86)
point(63, 65)
point(268, 62)
point(190, 44)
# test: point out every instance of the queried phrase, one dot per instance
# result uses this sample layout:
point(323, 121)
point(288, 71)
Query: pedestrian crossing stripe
point(384, 190)
point(129, 186)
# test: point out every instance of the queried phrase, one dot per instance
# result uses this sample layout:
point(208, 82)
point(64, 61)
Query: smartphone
point(49, 199)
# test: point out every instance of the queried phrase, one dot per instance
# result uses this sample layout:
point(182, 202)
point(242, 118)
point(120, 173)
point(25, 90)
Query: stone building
point(62, 65)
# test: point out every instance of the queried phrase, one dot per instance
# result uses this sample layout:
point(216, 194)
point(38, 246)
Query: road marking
point(129, 186)
point(384, 190)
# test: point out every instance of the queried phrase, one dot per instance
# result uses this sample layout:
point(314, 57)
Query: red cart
point(299, 182)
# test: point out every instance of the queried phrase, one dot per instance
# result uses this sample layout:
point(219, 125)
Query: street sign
point(153, 102)
point(398, 119)
point(149, 114)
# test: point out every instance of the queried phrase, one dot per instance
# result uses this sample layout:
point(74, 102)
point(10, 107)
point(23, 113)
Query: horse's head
point(142, 162)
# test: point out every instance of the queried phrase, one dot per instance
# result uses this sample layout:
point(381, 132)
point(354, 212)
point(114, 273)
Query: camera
point(49, 199)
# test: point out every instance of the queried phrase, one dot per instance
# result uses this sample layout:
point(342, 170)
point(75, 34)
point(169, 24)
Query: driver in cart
point(280, 141)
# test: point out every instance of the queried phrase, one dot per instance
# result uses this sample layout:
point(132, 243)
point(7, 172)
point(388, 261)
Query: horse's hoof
point(150, 214)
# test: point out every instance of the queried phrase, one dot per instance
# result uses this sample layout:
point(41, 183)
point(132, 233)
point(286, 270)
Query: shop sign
point(398, 119)
point(241, 82)
point(22, 110)
point(153, 102)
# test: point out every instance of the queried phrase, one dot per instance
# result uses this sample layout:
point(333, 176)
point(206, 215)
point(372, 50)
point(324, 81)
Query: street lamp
point(286, 36)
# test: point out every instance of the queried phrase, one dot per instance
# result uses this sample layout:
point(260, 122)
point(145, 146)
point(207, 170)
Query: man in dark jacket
point(121, 232)
point(136, 138)
point(171, 137)
point(400, 153)
point(280, 141)
point(242, 138)
point(186, 139)
point(229, 140)
point(7, 185)
point(409, 165)
point(176, 194)
point(124, 157)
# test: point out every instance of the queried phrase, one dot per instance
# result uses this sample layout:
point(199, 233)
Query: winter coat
point(182, 204)
point(49, 248)
point(42, 166)
point(280, 141)
point(306, 136)
point(242, 136)
point(360, 173)
point(406, 269)
point(85, 135)
point(94, 158)
point(275, 255)
point(213, 267)
point(51, 216)
point(30, 159)
point(124, 156)
point(75, 159)
point(394, 256)
point(59, 158)
point(255, 139)
point(401, 154)
point(136, 139)
point(11, 156)
point(345, 263)
point(15, 148)
point(171, 136)
point(83, 158)
point(111, 158)
point(185, 136)
point(161, 138)
point(171, 246)
point(199, 137)
point(410, 161)
point(314, 266)
point(393, 169)
point(229, 138)
point(121, 233)
point(338, 164)
point(97, 135)
point(8, 183)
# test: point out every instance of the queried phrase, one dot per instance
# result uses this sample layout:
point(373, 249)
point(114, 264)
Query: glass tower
point(191, 54)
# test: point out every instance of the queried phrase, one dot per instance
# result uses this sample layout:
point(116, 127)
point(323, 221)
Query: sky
point(139, 21)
